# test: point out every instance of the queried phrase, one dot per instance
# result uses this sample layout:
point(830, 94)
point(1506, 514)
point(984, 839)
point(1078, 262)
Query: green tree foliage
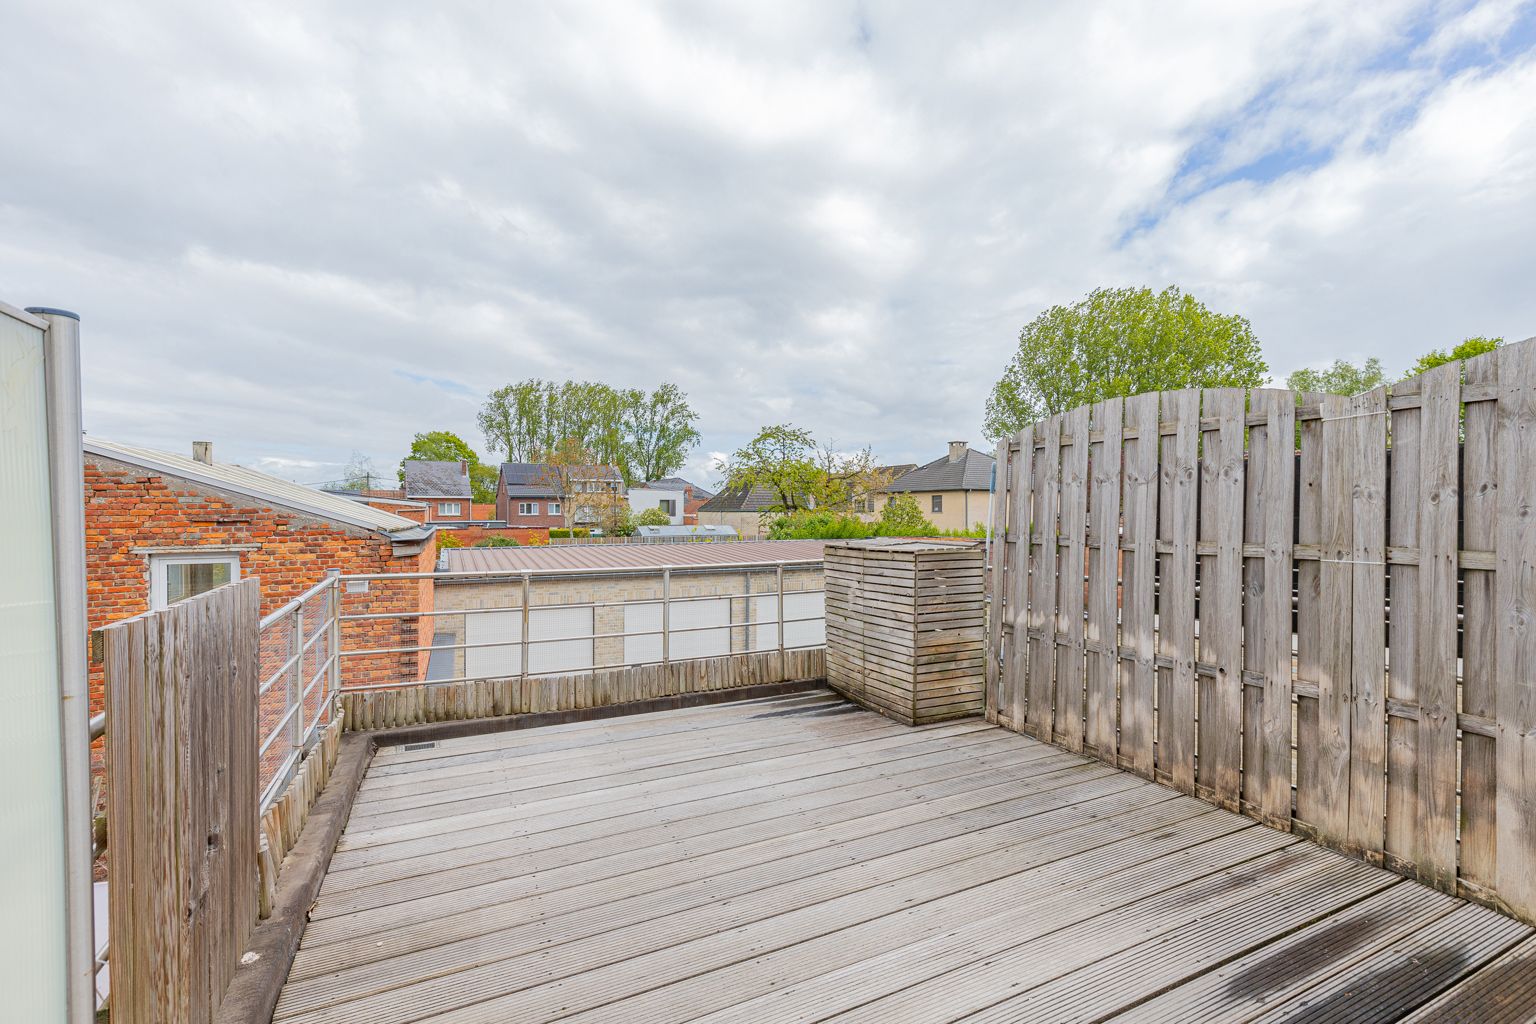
point(446, 446)
point(653, 517)
point(1341, 378)
point(1120, 342)
point(1474, 346)
point(901, 517)
point(645, 435)
point(818, 524)
point(801, 474)
point(447, 539)
point(496, 542)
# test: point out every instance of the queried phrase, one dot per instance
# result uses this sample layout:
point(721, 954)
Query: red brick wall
point(482, 512)
point(434, 516)
point(128, 510)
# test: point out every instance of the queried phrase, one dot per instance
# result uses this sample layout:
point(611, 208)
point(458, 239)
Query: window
point(447, 508)
point(554, 508)
point(938, 503)
point(528, 508)
point(668, 505)
point(174, 578)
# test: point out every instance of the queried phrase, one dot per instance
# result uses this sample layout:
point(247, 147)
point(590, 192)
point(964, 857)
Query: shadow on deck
point(798, 859)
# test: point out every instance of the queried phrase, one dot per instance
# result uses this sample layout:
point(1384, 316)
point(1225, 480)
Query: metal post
point(335, 641)
point(61, 372)
point(666, 616)
point(527, 587)
point(781, 622)
point(295, 684)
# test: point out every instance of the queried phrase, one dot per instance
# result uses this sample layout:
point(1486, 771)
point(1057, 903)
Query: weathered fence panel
point(182, 796)
point(1315, 609)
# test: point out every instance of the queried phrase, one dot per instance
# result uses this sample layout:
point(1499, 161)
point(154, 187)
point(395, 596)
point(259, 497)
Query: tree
point(1342, 378)
point(1474, 346)
point(645, 436)
point(901, 517)
point(801, 474)
point(818, 524)
point(446, 446)
point(653, 517)
point(1119, 342)
point(359, 474)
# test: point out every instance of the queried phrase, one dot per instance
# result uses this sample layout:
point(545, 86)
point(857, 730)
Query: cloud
point(300, 230)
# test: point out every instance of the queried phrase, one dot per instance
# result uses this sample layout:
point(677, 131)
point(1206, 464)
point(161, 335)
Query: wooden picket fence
point(1317, 610)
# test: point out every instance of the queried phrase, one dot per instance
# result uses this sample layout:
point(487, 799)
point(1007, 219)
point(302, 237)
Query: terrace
point(1231, 721)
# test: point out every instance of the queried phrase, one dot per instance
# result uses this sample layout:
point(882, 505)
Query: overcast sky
point(299, 230)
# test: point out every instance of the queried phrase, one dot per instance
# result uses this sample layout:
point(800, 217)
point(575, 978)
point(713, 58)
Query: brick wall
point(132, 514)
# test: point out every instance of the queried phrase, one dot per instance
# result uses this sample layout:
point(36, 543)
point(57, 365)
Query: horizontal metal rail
point(641, 570)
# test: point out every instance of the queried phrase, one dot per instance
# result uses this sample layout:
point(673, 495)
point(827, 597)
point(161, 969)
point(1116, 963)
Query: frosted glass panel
point(31, 815)
point(810, 608)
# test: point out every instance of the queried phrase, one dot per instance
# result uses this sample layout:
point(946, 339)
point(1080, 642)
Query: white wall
point(642, 498)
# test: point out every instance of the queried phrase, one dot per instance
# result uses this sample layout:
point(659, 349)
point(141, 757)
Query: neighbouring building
point(535, 494)
point(694, 496)
point(742, 508)
point(443, 486)
point(724, 601)
point(161, 527)
point(670, 500)
point(952, 492)
point(871, 501)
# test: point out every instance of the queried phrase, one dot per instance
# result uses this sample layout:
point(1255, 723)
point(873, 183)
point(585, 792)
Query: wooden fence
point(182, 802)
point(1320, 611)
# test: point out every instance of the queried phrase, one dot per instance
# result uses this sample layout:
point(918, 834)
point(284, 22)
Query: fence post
point(780, 582)
point(527, 587)
point(335, 640)
point(666, 617)
point(295, 685)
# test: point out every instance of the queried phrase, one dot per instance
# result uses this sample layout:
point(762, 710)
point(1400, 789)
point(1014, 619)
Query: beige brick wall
point(610, 594)
point(962, 509)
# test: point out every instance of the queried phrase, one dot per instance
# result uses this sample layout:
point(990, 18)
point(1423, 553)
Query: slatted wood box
point(905, 626)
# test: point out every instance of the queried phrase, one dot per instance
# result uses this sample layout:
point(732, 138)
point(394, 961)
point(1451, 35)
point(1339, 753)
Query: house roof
point(539, 480)
point(740, 499)
point(265, 488)
point(629, 556)
point(972, 473)
point(677, 483)
point(427, 478)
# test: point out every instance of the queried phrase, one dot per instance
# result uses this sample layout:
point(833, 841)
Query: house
point(671, 501)
point(693, 496)
point(160, 528)
point(443, 486)
point(741, 508)
point(952, 491)
point(871, 501)
point(538, 494)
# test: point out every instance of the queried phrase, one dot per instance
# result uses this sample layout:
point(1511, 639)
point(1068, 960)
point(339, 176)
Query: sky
point(303, 230)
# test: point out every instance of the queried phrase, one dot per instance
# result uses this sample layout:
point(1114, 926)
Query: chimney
point(956, 451)
point(464, 466)
point(202, 451)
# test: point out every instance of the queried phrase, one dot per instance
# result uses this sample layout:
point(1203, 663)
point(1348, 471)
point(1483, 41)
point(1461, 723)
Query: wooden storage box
point(905, 626)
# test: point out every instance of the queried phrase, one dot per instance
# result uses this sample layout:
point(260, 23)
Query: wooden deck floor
point(797, 859)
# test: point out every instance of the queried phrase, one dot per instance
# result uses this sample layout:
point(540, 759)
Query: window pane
point(188, 579)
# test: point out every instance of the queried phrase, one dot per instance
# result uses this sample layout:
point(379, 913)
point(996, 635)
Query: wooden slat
point(1177, 515)
point(997, 568)
point(1046, 487)
point(1277, 496)
point(1022, 503)
point(1434, 818)
point(1515, 639)
point(1309, 623)
point(1406, 493)
point(1221, 597)
point(1481, 474)
point(1103, 670)
point(1070, 658)
point(1138, 683)
point(1366, 433)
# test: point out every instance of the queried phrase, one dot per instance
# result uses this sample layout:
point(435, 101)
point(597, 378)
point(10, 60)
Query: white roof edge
point(237, 478)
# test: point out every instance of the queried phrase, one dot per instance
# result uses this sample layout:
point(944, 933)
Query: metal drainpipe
point(61, 368)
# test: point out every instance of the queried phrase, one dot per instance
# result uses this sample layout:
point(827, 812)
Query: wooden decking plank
point(1502, 992)
point(1281, 969)
point(438, 955)
point(960, 769)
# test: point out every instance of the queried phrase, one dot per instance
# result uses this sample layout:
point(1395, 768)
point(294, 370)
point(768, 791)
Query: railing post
point(780, 575)
point(295, 683)
point(334, 642)
point(523, 647)
point(666, 616)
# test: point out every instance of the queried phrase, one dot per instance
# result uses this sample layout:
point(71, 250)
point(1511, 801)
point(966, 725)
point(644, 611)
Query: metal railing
point(300, 643)
point(743, 621)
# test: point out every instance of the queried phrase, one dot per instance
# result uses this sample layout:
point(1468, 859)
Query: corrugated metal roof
point(429, 478)
point(628, 556)
point(263, 487)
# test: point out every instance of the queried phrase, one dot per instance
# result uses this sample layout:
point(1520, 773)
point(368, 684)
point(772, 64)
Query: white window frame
point(449, 508)
point(528, 508)
point(936, 504)
point(554, 508)
point(159, 563)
